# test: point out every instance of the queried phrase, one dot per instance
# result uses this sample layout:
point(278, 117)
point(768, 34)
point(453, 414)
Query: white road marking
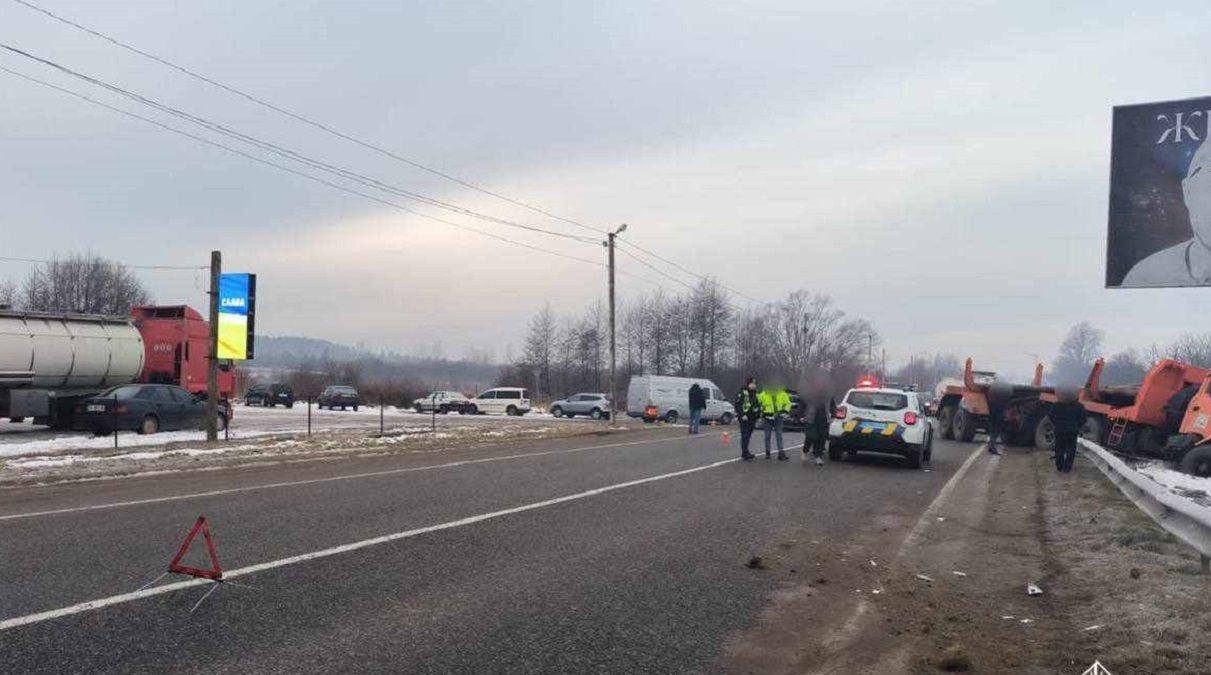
point(337, 550)
point(926, 518)
point(311, 481)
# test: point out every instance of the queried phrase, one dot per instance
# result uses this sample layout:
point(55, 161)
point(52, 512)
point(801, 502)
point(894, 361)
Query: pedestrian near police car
point(775, 407)
point(749, 410)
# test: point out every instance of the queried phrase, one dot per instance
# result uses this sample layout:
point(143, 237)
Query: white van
point(653, 397)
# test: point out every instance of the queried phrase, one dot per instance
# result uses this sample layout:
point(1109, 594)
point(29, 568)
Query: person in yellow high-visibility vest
point(775, 407)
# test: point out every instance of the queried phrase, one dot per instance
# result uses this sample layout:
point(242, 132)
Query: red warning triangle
point(215, 572)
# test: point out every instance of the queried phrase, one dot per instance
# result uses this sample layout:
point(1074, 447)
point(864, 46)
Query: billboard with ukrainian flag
point(237, 313)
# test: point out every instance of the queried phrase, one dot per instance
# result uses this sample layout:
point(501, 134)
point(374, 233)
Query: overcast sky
point(939, 168)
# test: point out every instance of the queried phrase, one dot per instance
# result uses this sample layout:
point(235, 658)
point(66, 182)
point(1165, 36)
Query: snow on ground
point(125, 440)
point(1182, 484)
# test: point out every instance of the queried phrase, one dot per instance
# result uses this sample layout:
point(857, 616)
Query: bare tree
point(82, 283)
point(1080, 348)
point(540, 349)
point(8, 293)
point(1192, 348)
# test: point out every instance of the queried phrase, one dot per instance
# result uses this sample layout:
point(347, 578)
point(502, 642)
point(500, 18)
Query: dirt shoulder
point(1116, 587)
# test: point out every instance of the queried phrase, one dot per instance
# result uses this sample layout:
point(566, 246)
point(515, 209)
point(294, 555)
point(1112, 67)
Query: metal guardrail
point(1183, 518)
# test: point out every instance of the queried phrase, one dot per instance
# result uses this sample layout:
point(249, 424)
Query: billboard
point(237, 315)
point(1160, 195)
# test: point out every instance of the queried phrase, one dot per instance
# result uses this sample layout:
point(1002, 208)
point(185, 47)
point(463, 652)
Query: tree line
point(82, 283)
point(803, 341)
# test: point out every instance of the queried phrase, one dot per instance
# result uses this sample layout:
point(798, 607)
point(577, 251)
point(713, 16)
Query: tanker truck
point(51, 361)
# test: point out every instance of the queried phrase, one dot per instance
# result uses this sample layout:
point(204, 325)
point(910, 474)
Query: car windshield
point(122, 393)
point(877, 400)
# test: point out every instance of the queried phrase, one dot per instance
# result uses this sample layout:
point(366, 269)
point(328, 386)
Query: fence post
point(381, 408)
point(113, 418)
point(308, 416)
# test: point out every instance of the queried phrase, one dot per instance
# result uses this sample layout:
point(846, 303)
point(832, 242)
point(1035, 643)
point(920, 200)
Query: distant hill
point(291, 352)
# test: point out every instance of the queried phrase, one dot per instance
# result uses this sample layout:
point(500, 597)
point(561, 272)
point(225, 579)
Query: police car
point(883, 420)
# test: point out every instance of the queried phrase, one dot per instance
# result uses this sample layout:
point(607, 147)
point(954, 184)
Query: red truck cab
point(175, 340)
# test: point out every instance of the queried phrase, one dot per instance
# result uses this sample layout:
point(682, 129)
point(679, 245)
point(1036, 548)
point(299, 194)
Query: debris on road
point(957, 573)
point(756, 563)
point(925, 577)
point(1033, 590)
point(1093, 627)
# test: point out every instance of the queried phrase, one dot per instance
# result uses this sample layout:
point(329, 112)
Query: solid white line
point(927, 516)
point(311, 481)
point(337, 550)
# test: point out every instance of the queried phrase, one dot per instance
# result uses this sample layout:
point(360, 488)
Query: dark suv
point(339, 396)
point(270, 395)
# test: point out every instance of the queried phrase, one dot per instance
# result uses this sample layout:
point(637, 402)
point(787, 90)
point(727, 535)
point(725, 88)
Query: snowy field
point(25, 439)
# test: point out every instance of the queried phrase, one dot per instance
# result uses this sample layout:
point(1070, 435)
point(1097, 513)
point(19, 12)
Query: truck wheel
point(726, 419)
point(472, 410)
point(596, 414)
point(511, 411)
point(557, 411)
point(1044, 435)
point(927, 453)
point(946, 420)
point(670, 417)
point(355, 408)
point(964, 425)
point(149, 425)
point(1094, 429)
point(445, 410)
point(914, 458)
point(1197, 462)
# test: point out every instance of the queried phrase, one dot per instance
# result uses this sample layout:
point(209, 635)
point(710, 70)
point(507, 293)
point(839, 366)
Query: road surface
point(624, 553)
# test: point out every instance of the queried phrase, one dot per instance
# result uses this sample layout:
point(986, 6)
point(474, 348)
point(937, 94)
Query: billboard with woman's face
point(1160, 196)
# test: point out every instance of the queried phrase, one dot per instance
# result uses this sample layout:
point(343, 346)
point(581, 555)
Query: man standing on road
point(697, 405)
point(749, 410)
point(998, 396)
point(815, 436)
point(775, 406)
point(1067, 416)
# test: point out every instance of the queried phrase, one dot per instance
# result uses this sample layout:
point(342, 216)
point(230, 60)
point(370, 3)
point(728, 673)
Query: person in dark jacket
point(749, 410)
point(815, 436)
point(998, 398)
point(697, 405)
point(1067, 416)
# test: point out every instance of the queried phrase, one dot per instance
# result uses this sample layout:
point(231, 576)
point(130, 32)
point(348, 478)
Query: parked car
point(270, 395)
point(145, 408)
point(443, 402)
point(339, 396)
point(660, 397)
point(596, 406)
point(883, 420)
point(507, 400)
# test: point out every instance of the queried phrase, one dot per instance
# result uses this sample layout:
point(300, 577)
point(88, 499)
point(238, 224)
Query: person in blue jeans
point(697, 405)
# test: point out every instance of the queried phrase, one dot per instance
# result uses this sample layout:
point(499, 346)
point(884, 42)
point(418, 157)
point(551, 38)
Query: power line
point(652, 267)
point(303, 119)
point(294, 171)
point(683, 269)
point(44, 261)
point(285, 152)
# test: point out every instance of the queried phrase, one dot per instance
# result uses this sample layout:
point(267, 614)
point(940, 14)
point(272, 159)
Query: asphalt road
point(641, 577)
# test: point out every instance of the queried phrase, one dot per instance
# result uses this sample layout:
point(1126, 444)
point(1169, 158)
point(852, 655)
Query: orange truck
point(1164, 416)
point(963, 406)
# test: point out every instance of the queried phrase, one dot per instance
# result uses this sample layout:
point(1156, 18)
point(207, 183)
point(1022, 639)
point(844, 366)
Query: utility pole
point(212, 362)
point(609, 244)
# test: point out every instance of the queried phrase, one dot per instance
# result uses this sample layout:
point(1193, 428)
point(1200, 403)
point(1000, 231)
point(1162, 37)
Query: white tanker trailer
point(50, 361)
